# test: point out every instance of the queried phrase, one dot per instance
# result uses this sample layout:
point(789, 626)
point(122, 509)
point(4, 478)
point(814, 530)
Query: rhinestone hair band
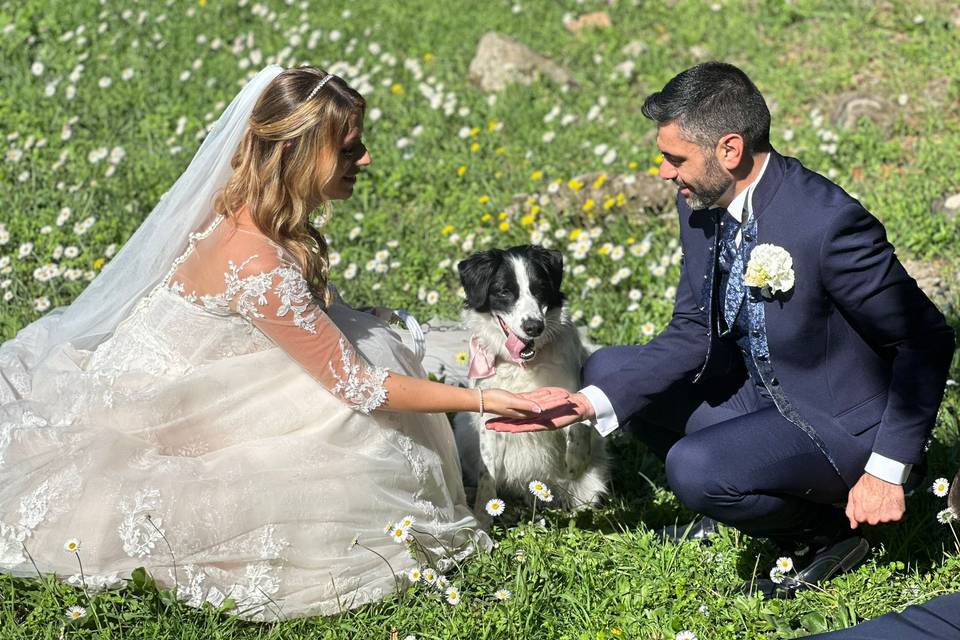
point(320, 84)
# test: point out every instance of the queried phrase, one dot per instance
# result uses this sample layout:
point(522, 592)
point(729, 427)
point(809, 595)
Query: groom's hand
point(576, 409)
point(872, 501)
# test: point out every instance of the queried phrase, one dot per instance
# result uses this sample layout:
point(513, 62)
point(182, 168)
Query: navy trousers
point(938, 619)
point(731, 456)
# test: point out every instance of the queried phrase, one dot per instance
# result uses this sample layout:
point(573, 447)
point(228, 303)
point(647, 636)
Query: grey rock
point(850, 107)
point(635, 48)
point(947, 205)
point(643, 195)
point(930, 278)
point(500, 61)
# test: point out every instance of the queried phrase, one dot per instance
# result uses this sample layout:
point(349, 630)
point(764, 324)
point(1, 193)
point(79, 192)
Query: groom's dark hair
point(709, 101)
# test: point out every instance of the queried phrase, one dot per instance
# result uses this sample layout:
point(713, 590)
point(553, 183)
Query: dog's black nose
point(532, 327)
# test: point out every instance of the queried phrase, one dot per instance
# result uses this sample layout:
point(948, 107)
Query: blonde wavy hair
point(289, 154)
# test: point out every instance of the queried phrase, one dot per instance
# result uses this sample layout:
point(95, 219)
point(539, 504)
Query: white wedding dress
point(235, 420)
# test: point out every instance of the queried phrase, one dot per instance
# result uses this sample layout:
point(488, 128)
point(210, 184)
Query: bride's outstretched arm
point(406, 393)
point(272, 294)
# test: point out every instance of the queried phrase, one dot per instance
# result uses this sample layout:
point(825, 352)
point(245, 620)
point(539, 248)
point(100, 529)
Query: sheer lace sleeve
point(277, 301)
point(269, 290)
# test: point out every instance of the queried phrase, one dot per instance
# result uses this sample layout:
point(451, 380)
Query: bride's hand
point(509, 405)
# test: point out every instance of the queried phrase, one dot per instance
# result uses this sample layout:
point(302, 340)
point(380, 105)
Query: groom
point(802, 368)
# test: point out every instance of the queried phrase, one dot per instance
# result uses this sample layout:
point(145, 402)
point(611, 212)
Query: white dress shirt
point(606, 421)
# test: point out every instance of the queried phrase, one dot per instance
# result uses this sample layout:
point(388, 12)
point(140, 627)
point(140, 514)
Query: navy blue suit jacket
point(855, 348)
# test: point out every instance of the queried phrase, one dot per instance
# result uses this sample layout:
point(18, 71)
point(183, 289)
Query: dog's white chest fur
point(571, 461)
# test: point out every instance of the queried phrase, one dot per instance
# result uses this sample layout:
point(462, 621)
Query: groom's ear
point(476, 274)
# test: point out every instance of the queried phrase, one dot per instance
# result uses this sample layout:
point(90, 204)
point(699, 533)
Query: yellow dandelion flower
point(536, 175)
point(492, 125)
point(503, 226)
point(589, 204)
point(462, 169)
point(202, 3)
point(632, 164)
point(535, 209)
point(474, 131)
point(500, 151)
point(502, 215)
point(397, 89)
point(475, 147)
point(529, 201)
point(461, 357)
point(447, 229)
point(609, 202)
point(575, 184)
point(658, 159)
point(599, 181)
point(621, 199)
point(653, 170)
point(427, 57)
point(631, 240)
point(616, 632)
point(484, 199)
point(527, 220)
point(575, 233)
point(98, 263)
point(486, 217)
point(604, 250)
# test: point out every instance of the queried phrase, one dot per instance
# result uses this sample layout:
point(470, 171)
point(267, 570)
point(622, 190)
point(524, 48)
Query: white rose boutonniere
point(770, 269)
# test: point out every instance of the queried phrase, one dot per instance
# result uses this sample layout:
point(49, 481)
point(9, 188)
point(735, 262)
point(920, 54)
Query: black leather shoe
point(700, 530)
point(838, 557)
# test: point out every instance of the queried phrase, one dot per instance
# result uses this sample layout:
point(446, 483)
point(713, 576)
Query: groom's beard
point(705, 192)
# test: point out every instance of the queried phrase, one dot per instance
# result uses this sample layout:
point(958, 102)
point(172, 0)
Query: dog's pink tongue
point(515, 345)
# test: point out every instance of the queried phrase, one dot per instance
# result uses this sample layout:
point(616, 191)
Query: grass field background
point(103, 105)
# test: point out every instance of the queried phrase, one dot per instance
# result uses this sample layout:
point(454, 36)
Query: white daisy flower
point(429, 575)
point(406, 522)
point(784, 564)
point(104, 82)
point(536, 487)
point(776, 577)
point(453, 595)
point(647, 328)
point(502, 594)
point(41, 304)
point(495, 506)
point(75, 613)
point(686, 635)
point(946, 516)
point(442, 582)
point(520, 556)
point(37, 68)
point(433, 297)
point(941, 487)
point(546, 496)
point(415, 575)
point(399, 534)
point(72, 545)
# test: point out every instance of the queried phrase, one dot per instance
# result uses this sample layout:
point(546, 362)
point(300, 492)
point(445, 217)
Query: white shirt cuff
point(605, 420)
point(886, 469)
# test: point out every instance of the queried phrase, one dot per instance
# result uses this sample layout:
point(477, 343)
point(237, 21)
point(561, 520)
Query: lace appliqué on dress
point(139, 530)
point(365, 394)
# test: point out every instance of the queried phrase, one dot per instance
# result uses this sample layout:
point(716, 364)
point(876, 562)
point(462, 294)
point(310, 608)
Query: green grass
point(603, 571)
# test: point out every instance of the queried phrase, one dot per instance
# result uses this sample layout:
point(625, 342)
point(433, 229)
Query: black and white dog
point(523, 339)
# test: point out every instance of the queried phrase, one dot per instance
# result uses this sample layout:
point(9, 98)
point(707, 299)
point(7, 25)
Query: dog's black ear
point(551, 261)
point(476, 273)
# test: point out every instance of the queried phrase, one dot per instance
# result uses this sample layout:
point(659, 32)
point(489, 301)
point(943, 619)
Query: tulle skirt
point(238, 478)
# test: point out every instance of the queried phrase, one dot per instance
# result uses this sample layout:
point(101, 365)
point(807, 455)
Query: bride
point(210, 409)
